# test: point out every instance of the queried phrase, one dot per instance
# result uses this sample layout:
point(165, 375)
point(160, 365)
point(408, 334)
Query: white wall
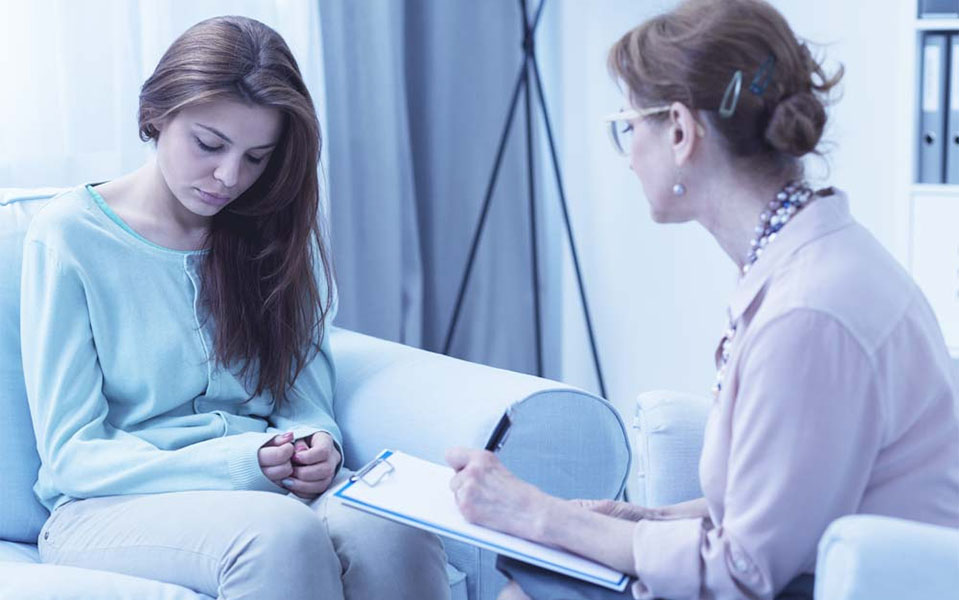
point(659, 292)
point(871, 161)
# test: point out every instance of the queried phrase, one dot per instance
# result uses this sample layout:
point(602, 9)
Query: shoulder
point(65, 222)
point(847, 278)
point(844, 300)
point(804, 335)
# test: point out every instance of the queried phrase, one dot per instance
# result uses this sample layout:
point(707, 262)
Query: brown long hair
point(260, 280)
point(690, 54)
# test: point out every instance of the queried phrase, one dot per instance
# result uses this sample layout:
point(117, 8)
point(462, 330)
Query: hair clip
point(763, 76)
point(731, 98)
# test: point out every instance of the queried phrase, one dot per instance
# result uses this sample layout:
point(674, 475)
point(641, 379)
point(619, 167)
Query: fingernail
point(287, 482)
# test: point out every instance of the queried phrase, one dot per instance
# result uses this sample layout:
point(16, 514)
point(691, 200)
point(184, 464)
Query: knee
point(280, 545)
point(422, 544)
point(284, 530)
point(364, 535)
point(383, 559)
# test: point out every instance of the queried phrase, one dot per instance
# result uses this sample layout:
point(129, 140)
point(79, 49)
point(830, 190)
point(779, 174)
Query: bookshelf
point(929, 218)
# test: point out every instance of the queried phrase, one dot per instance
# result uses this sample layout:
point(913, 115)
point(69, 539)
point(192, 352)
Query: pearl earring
point(679, 189)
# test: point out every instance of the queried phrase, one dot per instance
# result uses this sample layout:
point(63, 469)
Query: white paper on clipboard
point(416, 492)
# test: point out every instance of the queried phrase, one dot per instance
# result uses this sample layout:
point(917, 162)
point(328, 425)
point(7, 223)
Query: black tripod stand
point(529, 70)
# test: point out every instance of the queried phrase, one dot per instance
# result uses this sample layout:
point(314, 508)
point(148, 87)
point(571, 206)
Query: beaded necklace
point(792, 198)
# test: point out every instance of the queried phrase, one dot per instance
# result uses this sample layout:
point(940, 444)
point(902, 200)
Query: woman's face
point(209, 154)
point(652, 161)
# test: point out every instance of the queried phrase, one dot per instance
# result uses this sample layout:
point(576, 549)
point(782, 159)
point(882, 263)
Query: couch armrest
point(881, 558)
point(393, 396)
point(568, 442)
point(668, 440)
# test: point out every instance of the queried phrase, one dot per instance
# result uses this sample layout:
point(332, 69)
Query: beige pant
point(249, 545)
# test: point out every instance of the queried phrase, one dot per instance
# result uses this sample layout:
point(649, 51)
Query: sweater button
point(46, 535)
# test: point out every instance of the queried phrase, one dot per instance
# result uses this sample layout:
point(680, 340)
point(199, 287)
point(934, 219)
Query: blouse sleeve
point(806, 426)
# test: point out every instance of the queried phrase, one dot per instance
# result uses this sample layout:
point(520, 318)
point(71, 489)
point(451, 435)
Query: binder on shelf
point(416, 492)
point(952, 120)
point(938, 9)
point(932, 122)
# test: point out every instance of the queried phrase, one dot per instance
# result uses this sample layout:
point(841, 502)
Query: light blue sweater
point(123, 391)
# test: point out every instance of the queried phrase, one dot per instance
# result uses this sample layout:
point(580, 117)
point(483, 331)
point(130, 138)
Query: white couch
point(387, 395)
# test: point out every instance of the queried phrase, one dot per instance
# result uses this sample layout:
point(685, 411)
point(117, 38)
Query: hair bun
point(796, 124)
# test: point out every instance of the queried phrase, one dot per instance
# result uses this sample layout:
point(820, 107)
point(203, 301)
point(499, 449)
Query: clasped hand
point(305, 466)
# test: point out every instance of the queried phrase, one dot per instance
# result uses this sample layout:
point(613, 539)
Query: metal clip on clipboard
point(374, 472)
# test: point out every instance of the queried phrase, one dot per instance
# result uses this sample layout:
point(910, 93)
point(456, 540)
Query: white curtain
point(418, 93)
point(70, 75)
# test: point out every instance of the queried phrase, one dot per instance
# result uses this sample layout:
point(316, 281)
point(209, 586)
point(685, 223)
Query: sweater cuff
point(244, 464)
point(667, 558)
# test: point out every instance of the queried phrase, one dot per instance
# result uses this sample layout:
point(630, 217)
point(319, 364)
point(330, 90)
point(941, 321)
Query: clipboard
point(416, 492)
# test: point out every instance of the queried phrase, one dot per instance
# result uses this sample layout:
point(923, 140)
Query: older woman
point(834, 392)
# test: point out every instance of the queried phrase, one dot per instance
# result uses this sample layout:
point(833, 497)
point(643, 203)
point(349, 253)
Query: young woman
point(174, 344)
point(835, 393)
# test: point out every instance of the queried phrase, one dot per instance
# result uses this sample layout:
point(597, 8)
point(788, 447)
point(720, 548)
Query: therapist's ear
point(685, 132)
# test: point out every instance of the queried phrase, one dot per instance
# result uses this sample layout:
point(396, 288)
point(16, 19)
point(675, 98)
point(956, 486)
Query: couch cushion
point(872, 557)
point(21, 515)
point(55, 582)
point(668, 441)
point(18, 552)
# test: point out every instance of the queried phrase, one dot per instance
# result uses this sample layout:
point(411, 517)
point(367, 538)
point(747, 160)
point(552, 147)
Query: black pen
point(499, 433)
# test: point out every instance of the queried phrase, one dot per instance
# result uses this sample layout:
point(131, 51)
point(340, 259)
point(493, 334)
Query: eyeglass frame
point(630, 114)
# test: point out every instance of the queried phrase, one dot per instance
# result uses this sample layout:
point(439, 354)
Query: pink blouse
point(838, 398)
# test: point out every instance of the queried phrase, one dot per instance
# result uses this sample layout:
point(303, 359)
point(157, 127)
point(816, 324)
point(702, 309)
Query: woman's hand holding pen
point(488, 494)
point(305, 466)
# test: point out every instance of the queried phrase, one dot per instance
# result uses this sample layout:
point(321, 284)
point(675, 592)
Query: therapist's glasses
point(621, 126)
